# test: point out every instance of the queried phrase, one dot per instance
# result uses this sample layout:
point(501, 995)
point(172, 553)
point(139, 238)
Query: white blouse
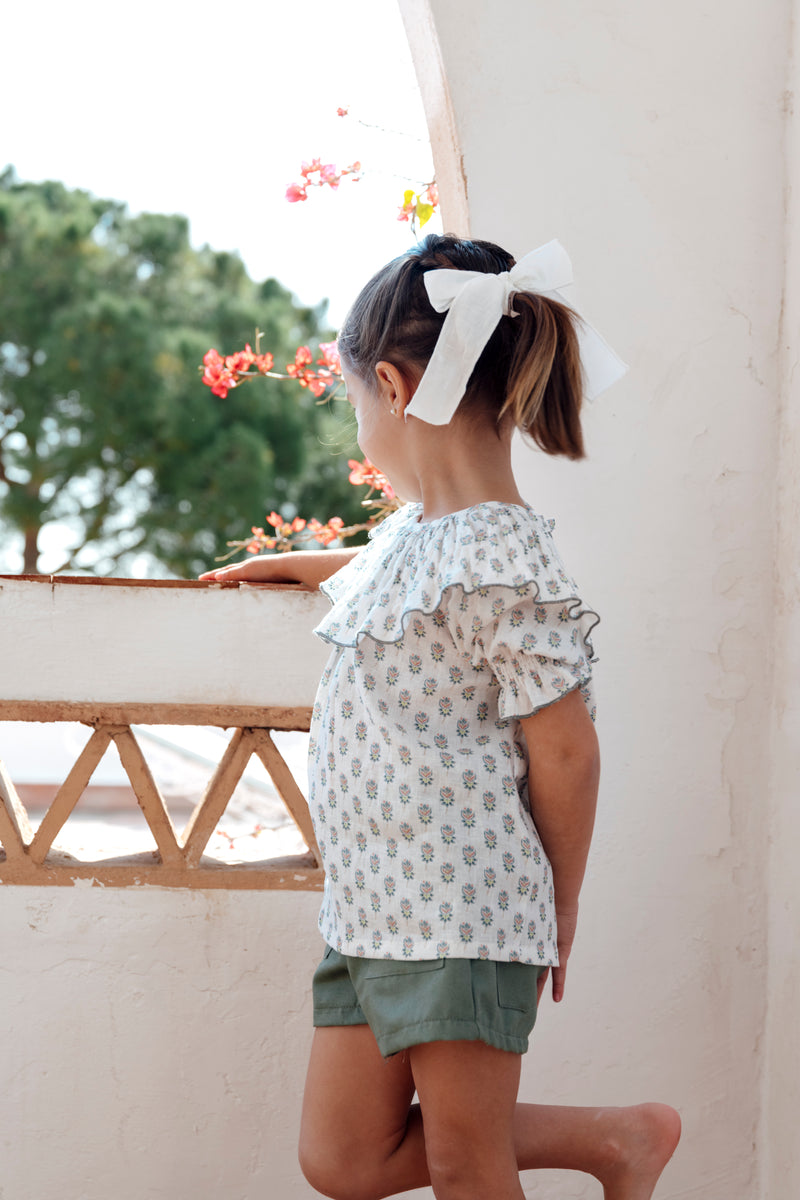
point(444, 633)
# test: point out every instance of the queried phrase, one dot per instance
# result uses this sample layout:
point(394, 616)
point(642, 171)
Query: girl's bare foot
point(641, 1141)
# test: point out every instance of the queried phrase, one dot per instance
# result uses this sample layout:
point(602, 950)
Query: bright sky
point(208, 110)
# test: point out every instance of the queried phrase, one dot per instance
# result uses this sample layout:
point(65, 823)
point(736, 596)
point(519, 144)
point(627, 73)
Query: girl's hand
point(566, 924)
point(265, 568)
point(310, 567)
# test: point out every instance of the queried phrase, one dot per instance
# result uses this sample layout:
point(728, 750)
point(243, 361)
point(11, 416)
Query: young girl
point(453, 759)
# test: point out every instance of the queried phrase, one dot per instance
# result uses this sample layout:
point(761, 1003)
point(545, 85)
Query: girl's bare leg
point(362, 1139)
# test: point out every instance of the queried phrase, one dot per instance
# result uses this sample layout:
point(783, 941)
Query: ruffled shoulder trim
point(494, 551)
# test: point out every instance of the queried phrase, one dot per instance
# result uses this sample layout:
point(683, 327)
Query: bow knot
point(474, 302)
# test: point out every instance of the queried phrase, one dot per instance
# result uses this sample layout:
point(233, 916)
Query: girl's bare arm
point(563, 778)
point(310, 567)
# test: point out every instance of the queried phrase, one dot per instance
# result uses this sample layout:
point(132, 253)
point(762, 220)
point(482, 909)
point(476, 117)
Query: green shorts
point(433, 1000)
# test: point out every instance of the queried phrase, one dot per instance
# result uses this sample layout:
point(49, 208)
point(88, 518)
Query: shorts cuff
point(448, 1031)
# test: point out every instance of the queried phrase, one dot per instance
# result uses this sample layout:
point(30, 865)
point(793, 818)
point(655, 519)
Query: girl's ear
point(393, 387)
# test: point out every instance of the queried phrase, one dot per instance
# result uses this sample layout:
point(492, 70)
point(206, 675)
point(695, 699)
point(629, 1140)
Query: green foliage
point(104, 423)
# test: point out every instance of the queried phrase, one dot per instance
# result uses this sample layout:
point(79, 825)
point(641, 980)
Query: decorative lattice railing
point(114, 653)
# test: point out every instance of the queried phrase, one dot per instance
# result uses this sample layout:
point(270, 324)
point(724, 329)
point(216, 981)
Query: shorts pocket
point(382, 968)
point(516, 986)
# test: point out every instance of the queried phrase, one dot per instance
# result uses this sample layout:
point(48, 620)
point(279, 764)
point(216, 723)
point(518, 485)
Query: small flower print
point(462, 727)
point(519, 922)
point(405, 755)
point(346, 856)
point(445, 707)
point(468, 893)
point(447, 760)
point(426, 850)
point(421, 721)
point(391, 924)
point(391, 848)
point(425, 930)
point(490, 877)
point(487, 917)
point(531, 931)
point(407, 831)
point(429, 687)
point(404, 792)
point(392, 675)
point(389, 885)
point(404, 699)
point(465, 932)
point(361, 840)
point(470, 855)
point(375, 901)
point(456, 675)
point(406, 909)
point(374, 863)
point(445, 912)
point(490, 838)
point(447, 796)
point(361, 731)
point(347, 892)
point(414, 664)
point(447, 872)
point(442, 949)
point(408, 947)
point(489, 801)
point(470, 780)
point(437, 651)
point(359, 878)
point(386, 810)
point(426, 891)
point(448, 834)
point(468, 817)
point(502, 900)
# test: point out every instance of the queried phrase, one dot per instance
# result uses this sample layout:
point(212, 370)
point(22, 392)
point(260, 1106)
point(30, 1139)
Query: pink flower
point(295, 192)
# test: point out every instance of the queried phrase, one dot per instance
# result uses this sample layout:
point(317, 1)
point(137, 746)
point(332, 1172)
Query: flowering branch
point(224, 374)
point(417, 207)
point(288, 534)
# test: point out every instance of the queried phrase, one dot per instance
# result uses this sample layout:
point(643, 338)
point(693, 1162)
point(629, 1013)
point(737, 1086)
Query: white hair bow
point(475, 302)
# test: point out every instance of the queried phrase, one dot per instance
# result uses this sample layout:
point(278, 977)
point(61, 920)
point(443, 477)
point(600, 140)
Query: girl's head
point(529, 372)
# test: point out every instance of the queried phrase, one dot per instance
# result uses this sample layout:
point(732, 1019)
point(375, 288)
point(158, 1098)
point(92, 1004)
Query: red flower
point(365, 473)
point(217, 374)
point(342, 112)
point(330, 357)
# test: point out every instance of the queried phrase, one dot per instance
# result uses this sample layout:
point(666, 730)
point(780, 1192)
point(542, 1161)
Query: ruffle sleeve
point(493, 575)
point(537, 649)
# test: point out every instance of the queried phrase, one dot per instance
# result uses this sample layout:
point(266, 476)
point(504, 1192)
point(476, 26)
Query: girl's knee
point(337, 1175)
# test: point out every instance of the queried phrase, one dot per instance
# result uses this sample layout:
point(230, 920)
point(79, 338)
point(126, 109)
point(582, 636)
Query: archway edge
point(423, 40)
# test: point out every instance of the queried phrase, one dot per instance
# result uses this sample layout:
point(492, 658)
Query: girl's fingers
point(559, 976)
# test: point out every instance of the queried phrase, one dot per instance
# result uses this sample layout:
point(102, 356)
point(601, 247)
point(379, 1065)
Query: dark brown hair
point(529, 369)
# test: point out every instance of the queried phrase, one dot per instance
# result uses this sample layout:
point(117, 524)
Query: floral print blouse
point(444, 633)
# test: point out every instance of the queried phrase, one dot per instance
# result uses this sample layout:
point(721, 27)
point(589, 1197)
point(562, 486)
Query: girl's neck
point(458, 468)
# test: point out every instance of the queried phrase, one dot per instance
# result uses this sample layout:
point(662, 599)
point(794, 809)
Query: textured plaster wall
point(782, 1093)
point(154, 1043)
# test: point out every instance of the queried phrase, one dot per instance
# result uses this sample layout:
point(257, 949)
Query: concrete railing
point(111, 653)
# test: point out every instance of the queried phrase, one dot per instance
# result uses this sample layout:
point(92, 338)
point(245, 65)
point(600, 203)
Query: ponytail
point(544, 384)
